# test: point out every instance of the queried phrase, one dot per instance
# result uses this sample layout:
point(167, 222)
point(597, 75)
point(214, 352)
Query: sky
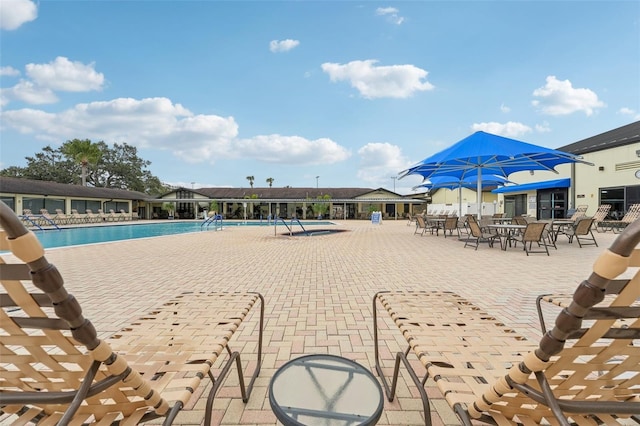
point(325, 94)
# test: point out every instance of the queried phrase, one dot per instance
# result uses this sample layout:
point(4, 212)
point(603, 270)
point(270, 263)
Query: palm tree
point(84, 152)
point(251, 179)
point(270, 182)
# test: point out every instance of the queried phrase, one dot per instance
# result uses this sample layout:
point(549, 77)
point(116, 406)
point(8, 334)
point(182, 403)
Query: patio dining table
point(501, 220)
point(436, 223)
point(506, 232)
point(555, 225)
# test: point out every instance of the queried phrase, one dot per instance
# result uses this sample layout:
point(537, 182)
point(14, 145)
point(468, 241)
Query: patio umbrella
point(452, 182)
point(489, 154)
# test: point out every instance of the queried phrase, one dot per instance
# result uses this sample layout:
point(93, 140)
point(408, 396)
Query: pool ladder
point(215, 219)
point(289, 227)
point(33, 220)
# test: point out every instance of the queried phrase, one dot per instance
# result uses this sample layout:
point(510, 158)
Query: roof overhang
point(289, 200)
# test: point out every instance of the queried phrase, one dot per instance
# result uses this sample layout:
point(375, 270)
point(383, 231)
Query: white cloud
point(560, 98)
point(65, 75)
point(505, 108)
point(510, 129)
point(379, 162)
point(391, 13)
point(395, 81)
point(630, 112)
point(282, 45)
point(151, 122)
point(157, 123)
point(14, 13)
point(543, 127)
point(30, 93)
point(9, 72)
point(291, 150)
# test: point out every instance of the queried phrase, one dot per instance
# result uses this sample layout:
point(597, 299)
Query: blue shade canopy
point(486, 153)
point(452, 182)
point(556, 183)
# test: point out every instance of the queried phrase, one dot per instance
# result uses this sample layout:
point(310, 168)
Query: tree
point(84, 152)
point(251, 179)
point(169, 207)
point(321, 209)
point(116, 167)
point(270, 181)
point(50, 165)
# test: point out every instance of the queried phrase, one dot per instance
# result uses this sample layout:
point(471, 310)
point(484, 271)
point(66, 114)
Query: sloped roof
point(284, 193)
point(621, 136)
point(41, 187)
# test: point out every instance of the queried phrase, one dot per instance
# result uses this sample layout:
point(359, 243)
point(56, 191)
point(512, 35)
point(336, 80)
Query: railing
point(34, 219)
point(215, 219)
point(289, 227)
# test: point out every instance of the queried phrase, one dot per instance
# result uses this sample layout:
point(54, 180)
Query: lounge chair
point(113, 216)
point(489, 373)
point(61, 218)
point(55, 370)
point(92, 217)
point(75, 217)
point(31, 220)
point(582, 231)
point(618, 225)
point(600, 215)
point(126, 216)
point(579, 212)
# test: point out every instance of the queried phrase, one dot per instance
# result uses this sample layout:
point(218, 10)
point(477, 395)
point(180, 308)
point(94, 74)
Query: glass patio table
point(325, 390)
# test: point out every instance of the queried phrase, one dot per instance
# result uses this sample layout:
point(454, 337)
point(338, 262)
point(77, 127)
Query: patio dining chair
point(477, 235)
point(55, 370)
point(451, 226)
point(577, 373)
point(421, 225)
point(582, 232)
point(533, 233)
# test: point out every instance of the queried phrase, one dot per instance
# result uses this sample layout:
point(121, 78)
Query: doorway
point(515, 205)
point(552, 203)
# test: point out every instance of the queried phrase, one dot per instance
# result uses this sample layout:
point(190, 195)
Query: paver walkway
point(318, 293)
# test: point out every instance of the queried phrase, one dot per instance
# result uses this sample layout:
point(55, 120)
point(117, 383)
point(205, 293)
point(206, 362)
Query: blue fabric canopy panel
point(547, 184)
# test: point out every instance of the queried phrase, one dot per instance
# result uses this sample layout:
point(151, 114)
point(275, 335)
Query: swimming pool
point(101, 234)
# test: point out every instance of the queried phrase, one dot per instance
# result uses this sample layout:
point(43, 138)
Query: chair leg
point(390, 390)
point(235, 356)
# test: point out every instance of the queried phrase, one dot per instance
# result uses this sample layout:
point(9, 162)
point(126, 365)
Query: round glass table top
point(325, 390)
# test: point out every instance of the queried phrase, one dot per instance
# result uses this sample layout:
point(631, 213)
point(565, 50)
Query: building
point(613, 178)
point(239, 203)
point(35, 195)
point(289, 202)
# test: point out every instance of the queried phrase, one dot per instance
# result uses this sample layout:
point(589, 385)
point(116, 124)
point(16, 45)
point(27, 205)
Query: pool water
point(101, 234)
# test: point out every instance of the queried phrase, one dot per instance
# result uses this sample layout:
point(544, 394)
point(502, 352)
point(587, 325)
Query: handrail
point(26, 217)
point(215, 219)
point(289, 227)
point(50, 221)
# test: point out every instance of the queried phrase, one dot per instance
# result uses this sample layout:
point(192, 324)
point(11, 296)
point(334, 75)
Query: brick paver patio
point(318, 293)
